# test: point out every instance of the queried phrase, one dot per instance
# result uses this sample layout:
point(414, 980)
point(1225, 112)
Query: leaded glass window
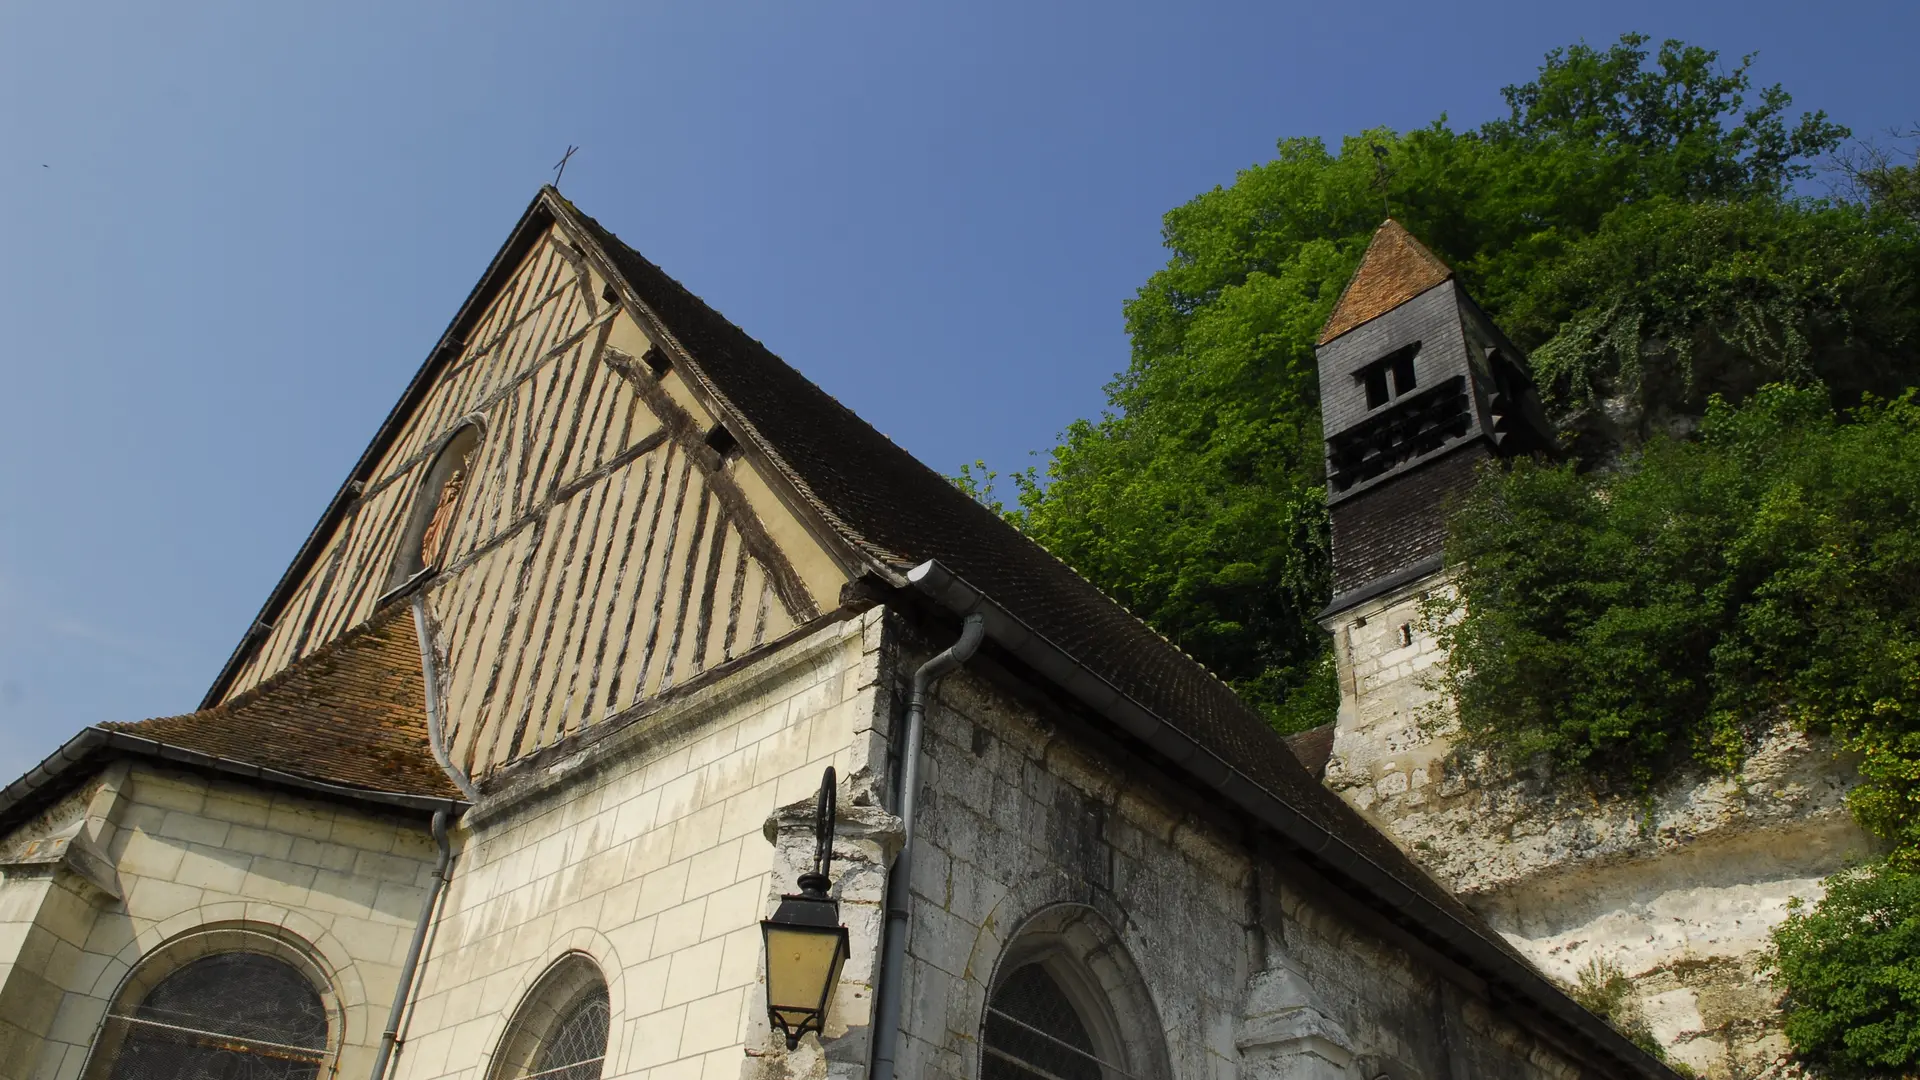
point(560, 1030)
point(229, 1016)
point(577, 1048)
point(1033, 1031)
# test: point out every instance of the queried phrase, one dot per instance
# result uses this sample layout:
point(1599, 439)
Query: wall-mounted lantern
point(806, 945)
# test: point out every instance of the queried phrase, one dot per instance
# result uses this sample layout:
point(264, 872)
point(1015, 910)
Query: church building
point(519, 771)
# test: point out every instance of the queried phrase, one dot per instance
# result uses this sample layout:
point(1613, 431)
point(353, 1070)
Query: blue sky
point(233, 232)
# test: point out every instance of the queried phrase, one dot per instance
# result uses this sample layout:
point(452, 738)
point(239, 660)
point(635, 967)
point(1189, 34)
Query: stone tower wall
point(1678, 892)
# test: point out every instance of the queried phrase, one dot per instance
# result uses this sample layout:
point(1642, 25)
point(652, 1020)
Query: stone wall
point(653, 849)
point(647, 852)
point(1247, 969)
point(140, 856)
point(1678, 891)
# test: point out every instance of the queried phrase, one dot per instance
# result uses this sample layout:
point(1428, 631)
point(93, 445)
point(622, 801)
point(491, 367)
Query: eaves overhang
point(78, 757)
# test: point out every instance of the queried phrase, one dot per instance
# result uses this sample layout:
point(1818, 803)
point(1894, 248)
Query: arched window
point(560, 1032)
point(224, 1005)
point(436, 506)
point(1034, 1031)
point(1067, 1004)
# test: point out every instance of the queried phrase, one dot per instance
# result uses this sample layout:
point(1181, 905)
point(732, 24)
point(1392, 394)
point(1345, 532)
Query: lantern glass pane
point(801, 964)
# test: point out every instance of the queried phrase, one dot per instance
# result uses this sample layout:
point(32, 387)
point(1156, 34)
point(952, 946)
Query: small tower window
point(1406, 634)
point(437, 506)
point(1389, 377)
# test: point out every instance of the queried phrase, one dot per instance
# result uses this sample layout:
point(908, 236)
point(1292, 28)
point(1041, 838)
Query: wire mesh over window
point(578, 1047)
point(1033, 1031)
point(229, 1016)
point(559, 1032)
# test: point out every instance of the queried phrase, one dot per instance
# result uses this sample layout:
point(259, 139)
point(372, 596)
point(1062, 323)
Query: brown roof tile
point(1314, 748)
point(1395, 269)
point(353, 714)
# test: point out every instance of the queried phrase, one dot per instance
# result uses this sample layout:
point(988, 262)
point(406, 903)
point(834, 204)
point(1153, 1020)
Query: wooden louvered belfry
point(1417, 385)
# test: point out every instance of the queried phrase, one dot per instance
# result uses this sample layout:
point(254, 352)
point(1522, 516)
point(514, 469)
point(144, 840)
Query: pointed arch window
point(1033, 1031)
point(437, 505)
point(560, 1031)
point(1068, 1004)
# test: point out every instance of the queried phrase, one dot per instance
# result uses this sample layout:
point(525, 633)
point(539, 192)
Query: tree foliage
point(1877, 177)
point(1622, 621)
point(1671, 301)
point(1197, 498)
point(1851, 964)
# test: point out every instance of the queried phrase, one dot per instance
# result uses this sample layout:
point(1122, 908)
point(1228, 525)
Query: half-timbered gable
point(582, 526)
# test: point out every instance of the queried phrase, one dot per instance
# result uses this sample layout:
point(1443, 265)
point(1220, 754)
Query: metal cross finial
point(1380, 175)
point(560, 169)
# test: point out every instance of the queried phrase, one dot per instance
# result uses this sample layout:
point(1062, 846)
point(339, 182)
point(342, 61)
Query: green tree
point(1672, 301)
point(1622, 622)
point(1875, 176)
point(1197, 498)
point(1851, 964)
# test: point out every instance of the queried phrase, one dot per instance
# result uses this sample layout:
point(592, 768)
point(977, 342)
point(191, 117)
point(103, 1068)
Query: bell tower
point(1417, 388)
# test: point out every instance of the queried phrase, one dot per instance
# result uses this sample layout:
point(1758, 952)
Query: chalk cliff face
point(1677, 891)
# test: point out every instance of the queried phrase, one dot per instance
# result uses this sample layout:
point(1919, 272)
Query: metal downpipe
point(893, 956)
point(430, 678)
point(404, 989)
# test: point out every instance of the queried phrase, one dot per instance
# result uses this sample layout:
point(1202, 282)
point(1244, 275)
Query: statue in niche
point(441, 523)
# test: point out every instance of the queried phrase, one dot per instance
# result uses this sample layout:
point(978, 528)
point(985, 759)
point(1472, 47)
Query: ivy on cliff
point(1621, 622)
point(1851, 968)
point(1624, 622)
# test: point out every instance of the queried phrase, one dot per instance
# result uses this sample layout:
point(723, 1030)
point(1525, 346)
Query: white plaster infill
point(658, 722)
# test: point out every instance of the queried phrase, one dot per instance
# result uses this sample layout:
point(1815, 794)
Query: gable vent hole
point(722, 441)
point(657, 360)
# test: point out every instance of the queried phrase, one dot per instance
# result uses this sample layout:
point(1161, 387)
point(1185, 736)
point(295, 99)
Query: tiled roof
point(1395, 269)
point(901, 513)
point(1314, 748)
point(352, 714)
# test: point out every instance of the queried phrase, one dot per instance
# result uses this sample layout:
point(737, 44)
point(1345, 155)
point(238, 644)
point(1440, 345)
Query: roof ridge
point(739, 414)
